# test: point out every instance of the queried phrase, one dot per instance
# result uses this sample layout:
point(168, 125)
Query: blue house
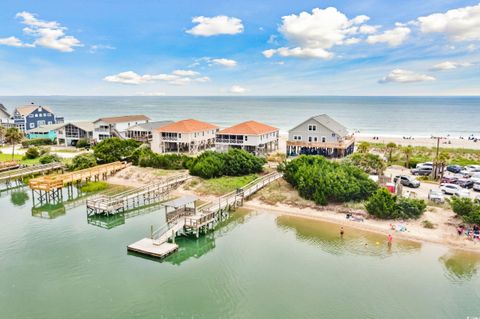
point(33, 116)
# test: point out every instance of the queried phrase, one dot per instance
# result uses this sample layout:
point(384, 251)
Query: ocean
point(386, 116)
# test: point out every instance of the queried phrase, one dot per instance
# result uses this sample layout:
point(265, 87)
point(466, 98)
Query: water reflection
point(49, 211)
point(460, 265)
point(327, 236)
point(19, 198)
point(115, 220)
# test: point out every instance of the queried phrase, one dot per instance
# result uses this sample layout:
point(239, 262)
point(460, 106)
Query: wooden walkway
point(7, 165)
point(204, 218)
point(132, 199)
point(20, 173)
point(53, 182)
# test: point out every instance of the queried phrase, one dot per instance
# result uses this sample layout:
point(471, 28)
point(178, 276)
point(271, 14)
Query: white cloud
point(462, 24)
point(405, 76)
point(185, 73)
point(216, 25)
point(177, 77)
point(99, 47)
point(368, 29)
point(48, 34)
point(237, 89)
point(225, 62)
point(313, 34)
point(14, 42)
point(393, 37)
point(448, 65)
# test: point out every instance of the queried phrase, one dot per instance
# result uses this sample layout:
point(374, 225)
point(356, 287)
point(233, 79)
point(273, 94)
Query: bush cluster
point(92, 187)
point(37, 142)
point(32, 153)
point(467, 209)
point(325, 181)
point(368, 162)
point(235, 162)
point(384, 205)
point(115, 149)
point(83, 161)
point(48, 158)
point(145, 157)
point(82, 143)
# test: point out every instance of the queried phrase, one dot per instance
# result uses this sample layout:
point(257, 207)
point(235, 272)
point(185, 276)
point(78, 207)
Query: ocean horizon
point(367, 115)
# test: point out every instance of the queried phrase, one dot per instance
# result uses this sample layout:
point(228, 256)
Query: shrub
point(382, 204)
point(83, 161)
point(208, 165)
point(115, 149)
point(428, 224)
point(82, 143)
point(92, 187)
point(37, 142)
point(325, 181)
point(32, 153)
point(49, 158)
point(145, 157)
point(369, 163)
point(411, 208)
point(466, 208)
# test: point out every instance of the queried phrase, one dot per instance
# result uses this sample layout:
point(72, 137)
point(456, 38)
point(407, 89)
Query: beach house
point(186, 136)
point(251, 136)
point(33, 116)
point(5, 117)
point(320, 135)
point(68, 134)
point(117, 126)
point(143, 132)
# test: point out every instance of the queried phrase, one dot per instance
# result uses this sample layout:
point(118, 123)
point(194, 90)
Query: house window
point(49, 122)
point(312, 127)
point(246, 138)
point(31, 115)
point(179, 135)
point(333, 134)
point(324, 139)
point(297, 138)
point(36, 115)
point(32, 125)
point(315, 139)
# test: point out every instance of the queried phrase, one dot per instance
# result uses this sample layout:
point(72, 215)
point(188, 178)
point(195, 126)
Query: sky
point(193, 48)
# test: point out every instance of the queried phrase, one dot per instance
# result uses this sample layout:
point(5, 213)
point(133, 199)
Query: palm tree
point(390, 148)
point(13, 136)
point(408, 152)
point(441, 162)
point(363, 147)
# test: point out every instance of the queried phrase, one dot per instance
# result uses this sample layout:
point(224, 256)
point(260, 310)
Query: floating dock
point(153, 248)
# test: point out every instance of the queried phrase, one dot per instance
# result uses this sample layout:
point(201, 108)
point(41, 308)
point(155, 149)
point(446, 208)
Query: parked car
point(426, 164)
point(422, 171)
point(408, 181)
point(436, 196)
point(449, 180)
point(465, 183)
point(475, 177)
point(470, 170)
point(454, 168)
point(476, 187)
point(455, 190)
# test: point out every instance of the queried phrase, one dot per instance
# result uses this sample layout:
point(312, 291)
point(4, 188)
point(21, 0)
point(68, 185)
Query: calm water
point(257, 265)
point(420, 116)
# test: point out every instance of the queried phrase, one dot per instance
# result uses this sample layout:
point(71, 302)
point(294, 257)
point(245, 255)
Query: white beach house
point(186, 136)
point(117, 126)
point(251, 136)
point(320, 135)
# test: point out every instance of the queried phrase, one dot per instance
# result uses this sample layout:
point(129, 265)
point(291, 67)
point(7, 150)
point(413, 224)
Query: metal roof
point(181, 201)
point(150, 126)
point(329, 123)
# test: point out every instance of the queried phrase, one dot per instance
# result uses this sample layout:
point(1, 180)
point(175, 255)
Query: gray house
point(320, 135)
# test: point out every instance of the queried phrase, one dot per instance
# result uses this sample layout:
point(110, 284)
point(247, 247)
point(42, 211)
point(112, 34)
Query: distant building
point(187, 136)
point(68, 134)
point(320, 135)
point(5, 117)
point(251, 136)
point(44, 131)
point(33, 116)
point(143, 132)
point(106, 127)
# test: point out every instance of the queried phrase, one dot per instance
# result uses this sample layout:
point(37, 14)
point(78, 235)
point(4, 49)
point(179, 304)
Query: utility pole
point(435, 164)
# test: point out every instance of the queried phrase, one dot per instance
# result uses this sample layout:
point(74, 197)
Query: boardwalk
point(52, 182)
point(132, 199)
point(202, 219)
point(20, 173)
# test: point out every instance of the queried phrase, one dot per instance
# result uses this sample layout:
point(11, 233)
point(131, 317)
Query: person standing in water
point(389, 240)
point(341, 232)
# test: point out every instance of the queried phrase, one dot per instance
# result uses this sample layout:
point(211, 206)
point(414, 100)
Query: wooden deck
point(150, 247)
point(20, 173)
point(7, 165)
point(52, 182)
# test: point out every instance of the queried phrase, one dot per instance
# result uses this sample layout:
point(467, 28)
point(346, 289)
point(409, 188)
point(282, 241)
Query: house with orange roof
point(251, 136)
point(186, 136)
point(116, 126)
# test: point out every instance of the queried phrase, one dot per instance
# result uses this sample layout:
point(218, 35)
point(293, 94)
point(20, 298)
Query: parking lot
point(425, 186)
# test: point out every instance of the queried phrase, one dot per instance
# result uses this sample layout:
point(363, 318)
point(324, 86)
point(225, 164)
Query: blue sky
point(368, 47)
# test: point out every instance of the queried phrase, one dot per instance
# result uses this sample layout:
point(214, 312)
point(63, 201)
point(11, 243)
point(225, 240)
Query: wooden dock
point(132, 199)
point(205, 217)
point(8, 165)
point(150, 247)
point(20, 173)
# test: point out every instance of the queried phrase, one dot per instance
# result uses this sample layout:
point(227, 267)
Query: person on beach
point(389, 240)
point(341, 232)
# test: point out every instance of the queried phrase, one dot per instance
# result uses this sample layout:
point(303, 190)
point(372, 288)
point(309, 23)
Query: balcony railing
point(228, 141)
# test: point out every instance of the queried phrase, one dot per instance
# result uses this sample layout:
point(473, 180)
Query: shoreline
point(371, 225)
